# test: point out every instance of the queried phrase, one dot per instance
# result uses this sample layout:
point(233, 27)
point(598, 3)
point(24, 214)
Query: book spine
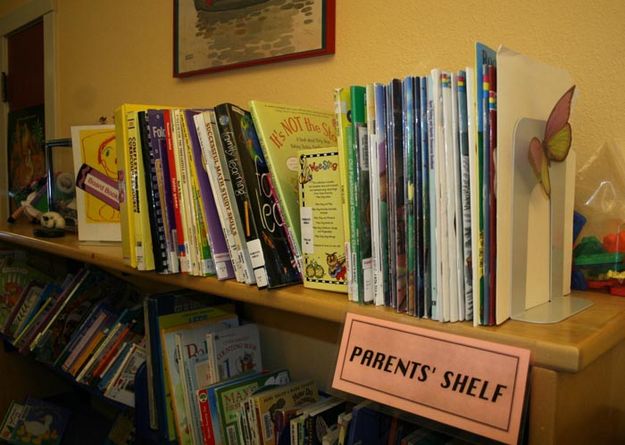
point(206, 423)
point(226, 118)
point(466, 193)
point(58, 306)
point(221, 257)
point(87, 333)
point(457, 201)
point(206, 264)
point(485, 212)
point(342, 107)
point(143, 239)
point(361, 197)
point(492, 200)
point(86, 372)
point(418, 203)
point(381, 199)
point(409, 154)
point(125, 188)
point(425, 200)
point(223, 194)
point(153, 208)
point(159, 148)
point(174, 179)
point(434, 136)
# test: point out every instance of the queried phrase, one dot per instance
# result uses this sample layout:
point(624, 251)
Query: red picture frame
point(217, 35)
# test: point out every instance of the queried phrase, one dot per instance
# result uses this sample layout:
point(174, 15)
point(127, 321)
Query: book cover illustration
point(283, 131)
point(95, 146)
point(230, 395)
point(229, 120)
point(284, 396)
point(42, 423)
point(235, 351)
point(26, 157)
point(11, 419)
point(272, 239)
point(322, 220)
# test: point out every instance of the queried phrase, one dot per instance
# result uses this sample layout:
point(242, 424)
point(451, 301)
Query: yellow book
point(322, 225)
point(127, 221)
point(285, 396)
point(139, 197)
point(342, 104)
point(85, 354)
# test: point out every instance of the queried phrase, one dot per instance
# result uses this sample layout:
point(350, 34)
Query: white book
point(433, 197)
point(449, 201)
point(458, 214)
point(474, 185)
point(226, 196)
point(374, 190)
point(441, 198)
point(215, 177)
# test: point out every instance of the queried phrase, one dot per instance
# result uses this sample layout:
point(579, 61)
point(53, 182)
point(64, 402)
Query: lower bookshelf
point(577, 387)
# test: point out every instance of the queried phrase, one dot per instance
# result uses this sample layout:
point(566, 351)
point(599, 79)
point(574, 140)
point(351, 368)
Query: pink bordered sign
point(470, 384)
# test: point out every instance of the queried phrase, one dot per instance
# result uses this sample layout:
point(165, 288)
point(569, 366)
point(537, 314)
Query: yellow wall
point(121, 51)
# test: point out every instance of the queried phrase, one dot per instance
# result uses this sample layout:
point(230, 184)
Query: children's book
point(409, 174)
point(360, 199)
point(193, 340)
point(465, 183)
point(342, 110)
point(95, 146)
point(425, 308)
point(322, 220)
point(11, 419)
point(234, 351)
point(41, 423)
point(229, 396)
point(283, 131)
point(288, 395)
point(395, 176)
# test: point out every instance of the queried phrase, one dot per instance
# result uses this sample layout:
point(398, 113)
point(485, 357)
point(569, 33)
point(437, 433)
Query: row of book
point(420, 191)
point(85, 324)
point(34, 421)
point(200, 197)
point(216, 192)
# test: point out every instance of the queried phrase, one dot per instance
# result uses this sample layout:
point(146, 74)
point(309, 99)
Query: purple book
point(156, 125)
point(217, 241)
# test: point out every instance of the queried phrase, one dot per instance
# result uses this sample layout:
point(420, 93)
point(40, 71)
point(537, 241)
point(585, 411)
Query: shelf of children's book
point(570, 345)
point(68, 377)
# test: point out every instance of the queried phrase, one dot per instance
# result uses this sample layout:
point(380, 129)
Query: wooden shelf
point(567, 346)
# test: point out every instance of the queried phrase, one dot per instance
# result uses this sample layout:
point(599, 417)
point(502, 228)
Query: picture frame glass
point(215, 35)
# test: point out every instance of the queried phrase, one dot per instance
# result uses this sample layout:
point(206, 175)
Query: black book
point(157, 228)
point(265, 231)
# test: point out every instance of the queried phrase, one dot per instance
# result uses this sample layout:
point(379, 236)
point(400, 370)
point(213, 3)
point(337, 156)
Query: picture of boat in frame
point(217, 35)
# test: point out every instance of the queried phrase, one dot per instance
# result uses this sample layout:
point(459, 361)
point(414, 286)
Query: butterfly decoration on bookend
point(556, 142)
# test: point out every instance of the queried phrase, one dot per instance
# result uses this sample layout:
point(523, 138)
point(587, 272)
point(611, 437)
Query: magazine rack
point(539, 237)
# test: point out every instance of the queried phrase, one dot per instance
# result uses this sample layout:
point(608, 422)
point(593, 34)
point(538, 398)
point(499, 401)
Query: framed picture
point(60, 174)
point(217, 35)
point(26, 156)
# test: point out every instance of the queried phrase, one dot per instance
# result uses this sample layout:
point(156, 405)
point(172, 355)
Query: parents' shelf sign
point(471, 384)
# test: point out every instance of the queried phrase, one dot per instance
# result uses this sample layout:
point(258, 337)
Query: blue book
point(424, 188)
point(368, 426)
point(484, 56)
